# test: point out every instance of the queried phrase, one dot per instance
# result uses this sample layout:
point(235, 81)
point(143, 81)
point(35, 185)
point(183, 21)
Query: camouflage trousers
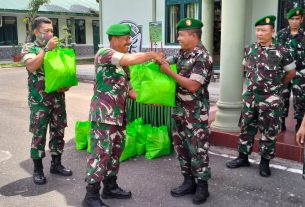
point(107, 144)
point(286, 98)
point(41, 117)
point(298, 91)
point(191, 143)
point(263, 113)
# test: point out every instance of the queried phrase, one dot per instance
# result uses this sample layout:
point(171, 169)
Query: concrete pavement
point(149, 180)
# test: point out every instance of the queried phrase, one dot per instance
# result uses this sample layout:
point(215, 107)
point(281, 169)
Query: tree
point(33, 8)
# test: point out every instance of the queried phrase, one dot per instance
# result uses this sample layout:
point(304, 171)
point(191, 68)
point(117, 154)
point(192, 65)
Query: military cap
point(267, 20)
point(118, 30)
point(189, 23)
point(295, 12)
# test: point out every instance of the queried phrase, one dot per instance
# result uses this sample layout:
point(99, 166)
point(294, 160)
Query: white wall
point(260, 8)
point(137, 11)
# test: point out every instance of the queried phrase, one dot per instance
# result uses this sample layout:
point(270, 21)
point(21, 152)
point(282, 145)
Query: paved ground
point(150, 181)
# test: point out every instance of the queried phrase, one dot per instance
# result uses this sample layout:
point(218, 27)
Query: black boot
point(38, 176)
point(202, 192)
point(240, 161)
point(58, 168)
point(264, 169)
point(112, 190)
point(297, 126)
point(283, 124)
point(92, 198)
point(187, 187)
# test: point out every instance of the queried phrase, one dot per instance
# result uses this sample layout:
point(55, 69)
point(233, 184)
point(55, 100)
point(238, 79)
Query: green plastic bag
point(158, 143)
point(151, 85)
point(141, 136)
point(129, 150)
point(60, 69)
point(82, 134)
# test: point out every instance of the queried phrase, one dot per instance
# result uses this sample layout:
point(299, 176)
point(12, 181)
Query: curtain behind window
point(174, 17)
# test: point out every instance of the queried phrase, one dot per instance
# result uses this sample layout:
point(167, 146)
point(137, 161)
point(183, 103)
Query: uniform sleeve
point(288, 61)
point(172, 59)
point(245, 60)
point(28, 51)
point(202, 68)
point(107, 55)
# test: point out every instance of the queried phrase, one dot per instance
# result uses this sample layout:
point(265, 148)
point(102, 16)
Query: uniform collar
point(300, 30)
point(188, 54)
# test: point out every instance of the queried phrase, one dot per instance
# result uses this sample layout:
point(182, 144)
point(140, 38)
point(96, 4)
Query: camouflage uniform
point(191, 131)
point(46, 109)
point(296, 46)
point(262, 101)
point(107, 115)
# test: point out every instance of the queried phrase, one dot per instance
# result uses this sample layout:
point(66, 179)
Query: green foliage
point(33, 8)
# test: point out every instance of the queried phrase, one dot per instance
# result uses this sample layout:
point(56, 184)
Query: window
point(177, 10)
point(55, 26)
point(8, 31)
point(284, 7)
point(79, 30)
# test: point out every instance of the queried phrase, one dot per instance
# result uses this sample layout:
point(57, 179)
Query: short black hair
point(197, 32)
point(40, 20)
point(110, 37)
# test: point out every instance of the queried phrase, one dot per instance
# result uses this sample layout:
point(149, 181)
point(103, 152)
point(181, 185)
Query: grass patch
point(85, 61)
point(11, 65)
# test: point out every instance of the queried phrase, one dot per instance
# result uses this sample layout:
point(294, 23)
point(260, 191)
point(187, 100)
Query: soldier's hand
point(159, 58)
point(52, 43)
point(165, 68)
point(61, 90)
point(299, 138)
point(132, 94)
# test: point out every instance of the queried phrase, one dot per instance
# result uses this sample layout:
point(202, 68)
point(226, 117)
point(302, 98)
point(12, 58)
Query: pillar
point(231, 71)
point(208, 22)
point(101, 22)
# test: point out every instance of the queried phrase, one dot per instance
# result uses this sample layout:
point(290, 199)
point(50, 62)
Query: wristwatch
point(45, 49)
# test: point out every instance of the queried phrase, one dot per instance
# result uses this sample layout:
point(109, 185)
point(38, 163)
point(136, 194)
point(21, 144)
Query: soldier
point(293, 38)
point(107, 114)
point(269, 66)
point(46, 109)
point(191, 131)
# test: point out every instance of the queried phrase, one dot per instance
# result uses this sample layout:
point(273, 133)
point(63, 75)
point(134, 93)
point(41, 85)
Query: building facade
point(81, 17)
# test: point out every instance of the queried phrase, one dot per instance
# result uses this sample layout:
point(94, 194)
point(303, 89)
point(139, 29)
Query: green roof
point(62, 7)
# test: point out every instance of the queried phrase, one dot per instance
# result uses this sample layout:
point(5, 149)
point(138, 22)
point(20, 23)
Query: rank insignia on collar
point(188, 22)
point(267, 20)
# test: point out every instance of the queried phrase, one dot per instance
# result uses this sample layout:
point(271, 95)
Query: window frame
point(15, 31)
point(182, 4)
point(75, 23)
point(282, 21)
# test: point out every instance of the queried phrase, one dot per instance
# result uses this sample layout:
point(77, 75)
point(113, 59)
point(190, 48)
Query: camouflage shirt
point(295, 44)
point(266, 66)
point(110, 88)
point(195, 65)
point(36, 80)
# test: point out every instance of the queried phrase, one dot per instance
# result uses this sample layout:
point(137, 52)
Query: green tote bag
point(60, 69)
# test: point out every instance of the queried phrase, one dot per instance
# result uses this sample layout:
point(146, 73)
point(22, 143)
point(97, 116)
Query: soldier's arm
point(288, 76)
point(141, 57)
point(33, 63)
point(289, 66)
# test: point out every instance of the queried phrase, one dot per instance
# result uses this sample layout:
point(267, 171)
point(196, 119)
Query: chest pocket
point(273, 61)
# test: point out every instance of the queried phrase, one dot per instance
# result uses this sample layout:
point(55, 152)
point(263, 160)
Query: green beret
point(295, 12)
point(189, 23)
point(267, 20)
point(118, 30)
